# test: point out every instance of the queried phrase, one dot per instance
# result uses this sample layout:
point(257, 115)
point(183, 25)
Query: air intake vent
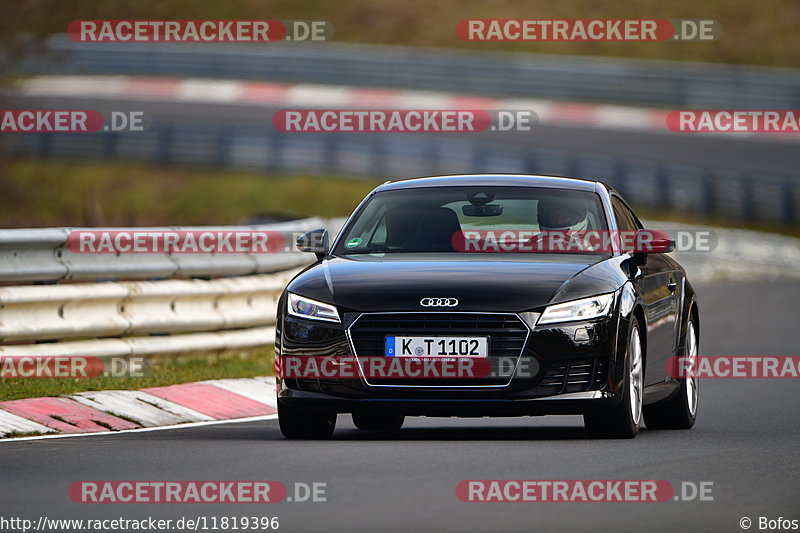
point(577, 375)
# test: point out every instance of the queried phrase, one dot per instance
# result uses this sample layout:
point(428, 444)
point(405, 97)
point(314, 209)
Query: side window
point(626, 220)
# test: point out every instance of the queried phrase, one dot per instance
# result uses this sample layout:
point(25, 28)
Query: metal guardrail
point(142, 318)
point(561, 77)
point(42, 255)
point(46, 313)
point(646, 183)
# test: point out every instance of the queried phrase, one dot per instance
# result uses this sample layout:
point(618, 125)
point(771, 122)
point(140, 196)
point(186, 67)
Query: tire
point(377, 422)
point(680, 411)
point(624, 420)
point(300, 423)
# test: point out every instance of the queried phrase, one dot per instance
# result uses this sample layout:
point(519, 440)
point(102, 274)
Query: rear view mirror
point(652, 241)
point(488, 210)
point(315, 241)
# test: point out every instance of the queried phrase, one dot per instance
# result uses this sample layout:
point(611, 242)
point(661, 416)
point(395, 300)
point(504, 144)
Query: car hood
point(398, 283)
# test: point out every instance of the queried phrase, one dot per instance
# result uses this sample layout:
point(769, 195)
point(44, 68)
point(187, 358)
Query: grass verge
point(54, 193)
point(161, 371)
point(57, 193)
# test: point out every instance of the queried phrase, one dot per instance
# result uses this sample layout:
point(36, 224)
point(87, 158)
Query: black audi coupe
point(488, 295)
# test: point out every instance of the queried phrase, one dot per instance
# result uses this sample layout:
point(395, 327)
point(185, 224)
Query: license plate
point(437, 346)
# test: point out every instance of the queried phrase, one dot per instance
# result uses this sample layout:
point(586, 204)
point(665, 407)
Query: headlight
point(312, 309)
point(583, 309)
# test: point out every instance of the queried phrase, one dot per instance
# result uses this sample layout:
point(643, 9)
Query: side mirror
point(315, 241)
point(652, 241)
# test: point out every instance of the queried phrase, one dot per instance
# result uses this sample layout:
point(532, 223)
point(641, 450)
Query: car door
point(659, 287)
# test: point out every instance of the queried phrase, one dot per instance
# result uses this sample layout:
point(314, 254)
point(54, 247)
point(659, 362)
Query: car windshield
point(471, 220)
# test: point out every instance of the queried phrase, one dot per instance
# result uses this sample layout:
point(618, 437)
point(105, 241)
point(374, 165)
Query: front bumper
point(576, 370)
point(566, 404)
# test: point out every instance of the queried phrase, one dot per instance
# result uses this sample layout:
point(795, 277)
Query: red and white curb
point(210, 91)
point(119, 410)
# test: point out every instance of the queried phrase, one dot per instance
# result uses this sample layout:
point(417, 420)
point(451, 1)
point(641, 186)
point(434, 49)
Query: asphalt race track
point(745, 442)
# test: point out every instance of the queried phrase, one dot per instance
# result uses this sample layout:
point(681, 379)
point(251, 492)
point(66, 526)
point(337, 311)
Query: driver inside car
point(563, 226)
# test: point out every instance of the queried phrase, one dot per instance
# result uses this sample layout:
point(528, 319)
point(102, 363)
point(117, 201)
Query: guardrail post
point(378, 156)
point(748, 211)
point(789, 212)
point(479, 159)
point(110, 139)
point(662, 185)
point(431, 156)
point(275, 160)
point(44, 144)
point(574, 165)
point(709, 203)
point(330, 153)
point(164, 148)
point(531, 163)
point(224, 135)
point(621, 169)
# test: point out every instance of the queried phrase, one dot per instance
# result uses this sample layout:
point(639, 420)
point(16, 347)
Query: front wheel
point(623, 421)
point(679, 412)
point(302, 423)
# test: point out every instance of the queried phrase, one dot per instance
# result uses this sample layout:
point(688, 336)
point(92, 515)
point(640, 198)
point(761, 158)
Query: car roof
point(498, 180)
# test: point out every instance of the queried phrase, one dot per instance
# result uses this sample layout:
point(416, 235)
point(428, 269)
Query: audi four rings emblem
point(438, 302)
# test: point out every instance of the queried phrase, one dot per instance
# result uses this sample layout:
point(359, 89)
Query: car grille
point(578, 375)
point(506, 332)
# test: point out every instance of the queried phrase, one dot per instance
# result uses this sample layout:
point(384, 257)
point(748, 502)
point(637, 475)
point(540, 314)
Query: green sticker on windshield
point(352, 243)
